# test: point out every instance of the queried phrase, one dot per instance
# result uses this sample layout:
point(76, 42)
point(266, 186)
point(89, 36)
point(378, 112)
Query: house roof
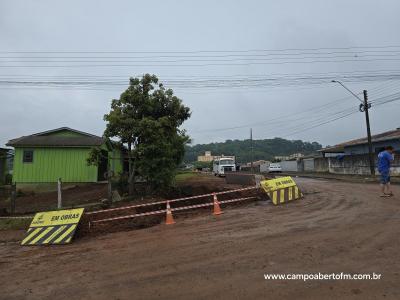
point(64, 129)
point(381, 137)
point(46, 138)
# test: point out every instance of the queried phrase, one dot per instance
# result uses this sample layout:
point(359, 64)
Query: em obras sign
point(281, 190)
point(53, 227)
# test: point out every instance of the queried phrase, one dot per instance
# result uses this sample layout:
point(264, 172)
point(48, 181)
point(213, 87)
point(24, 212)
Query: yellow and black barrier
point(281, 190)
point(53, 227)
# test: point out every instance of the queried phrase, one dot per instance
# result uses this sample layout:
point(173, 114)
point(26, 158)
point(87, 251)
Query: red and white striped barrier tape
point(216, 193)
point(171, 201)
point(172, 209)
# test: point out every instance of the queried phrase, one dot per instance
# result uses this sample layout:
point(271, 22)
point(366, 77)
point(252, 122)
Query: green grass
point(183, 176)
point(14, 223)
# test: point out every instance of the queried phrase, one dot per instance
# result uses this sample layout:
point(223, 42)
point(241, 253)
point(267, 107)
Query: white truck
point(222, 165)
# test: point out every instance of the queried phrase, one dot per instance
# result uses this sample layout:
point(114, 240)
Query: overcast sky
point(338, 34)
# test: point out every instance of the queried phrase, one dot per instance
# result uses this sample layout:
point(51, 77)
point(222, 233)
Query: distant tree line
point(263, 149)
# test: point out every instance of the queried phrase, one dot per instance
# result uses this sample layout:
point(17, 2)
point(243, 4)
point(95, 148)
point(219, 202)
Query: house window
point(28, 156)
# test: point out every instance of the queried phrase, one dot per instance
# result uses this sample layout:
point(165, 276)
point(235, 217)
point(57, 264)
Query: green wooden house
point(62, 153)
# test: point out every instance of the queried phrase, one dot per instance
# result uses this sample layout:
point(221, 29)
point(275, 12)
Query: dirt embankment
point(199, 185)
point(73, 196)
point(92, 193)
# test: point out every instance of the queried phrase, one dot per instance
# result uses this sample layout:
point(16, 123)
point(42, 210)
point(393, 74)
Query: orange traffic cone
point(217, 209)
point(169, 218)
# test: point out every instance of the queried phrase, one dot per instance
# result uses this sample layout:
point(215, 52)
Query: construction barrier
point(53, 227)
point(281, 190)
point(170, 201)
point(168, 210)
point(169, 218)
point(59, 227)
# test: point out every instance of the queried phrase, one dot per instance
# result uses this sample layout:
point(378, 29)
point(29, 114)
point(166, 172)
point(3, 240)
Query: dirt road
point(337, 227)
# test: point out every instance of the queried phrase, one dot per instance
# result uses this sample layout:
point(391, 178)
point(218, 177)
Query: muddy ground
point(337, 227)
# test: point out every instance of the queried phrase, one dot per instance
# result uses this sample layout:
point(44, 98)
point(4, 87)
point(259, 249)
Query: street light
point(364, 106)
point(355, 95)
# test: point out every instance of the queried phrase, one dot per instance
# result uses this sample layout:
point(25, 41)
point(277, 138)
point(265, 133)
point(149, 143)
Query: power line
point(327, 114)
point(200, 65)
point(320, 124)
point(200, 83)
point(216, 51)
point(282, 118)
point(208, 56)
point(192, 59)
point(191, 76)
point(341, 116)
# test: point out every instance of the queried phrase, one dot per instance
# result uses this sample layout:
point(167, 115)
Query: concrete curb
point(346, 178)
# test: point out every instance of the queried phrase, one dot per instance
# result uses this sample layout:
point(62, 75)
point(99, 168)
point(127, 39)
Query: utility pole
point(13, 196)
point(59, 191)
point(251, 149)
point(365, 107)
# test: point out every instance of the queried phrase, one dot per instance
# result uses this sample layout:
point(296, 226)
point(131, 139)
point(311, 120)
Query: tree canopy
point(146, 118)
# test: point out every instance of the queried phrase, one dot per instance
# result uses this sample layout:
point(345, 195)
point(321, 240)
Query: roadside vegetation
point(14, 223)
point(185, 175)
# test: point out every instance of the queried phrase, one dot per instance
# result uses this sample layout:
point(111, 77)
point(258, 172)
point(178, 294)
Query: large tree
point(147, 119)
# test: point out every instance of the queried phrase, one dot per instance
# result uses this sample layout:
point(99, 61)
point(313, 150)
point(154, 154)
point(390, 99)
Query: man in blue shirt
point(384, 159)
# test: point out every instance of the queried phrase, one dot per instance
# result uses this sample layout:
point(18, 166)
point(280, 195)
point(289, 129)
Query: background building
point(360, 146)
point(296, 155)
point(281, 157)
point(351, 157)
point(207, 157)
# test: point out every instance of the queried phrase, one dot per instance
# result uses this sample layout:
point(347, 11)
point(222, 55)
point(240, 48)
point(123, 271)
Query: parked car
point(275, 168)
